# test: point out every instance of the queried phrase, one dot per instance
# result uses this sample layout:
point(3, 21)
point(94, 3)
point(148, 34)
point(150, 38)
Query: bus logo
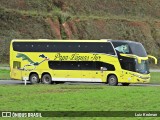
point(32, 65)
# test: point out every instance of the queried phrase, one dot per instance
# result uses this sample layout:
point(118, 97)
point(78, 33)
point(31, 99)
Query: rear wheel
point(34, 79)
point(46, 79)
point(125, 84)
point(112, 80)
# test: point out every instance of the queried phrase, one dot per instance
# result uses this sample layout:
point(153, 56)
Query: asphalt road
point(17, 82)
point(12, 82)
point(4, 68)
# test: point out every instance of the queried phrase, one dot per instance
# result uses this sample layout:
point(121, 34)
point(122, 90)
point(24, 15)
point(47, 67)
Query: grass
point(81, 97)
point(155, 77)
point(4, 74)
point(78, 98)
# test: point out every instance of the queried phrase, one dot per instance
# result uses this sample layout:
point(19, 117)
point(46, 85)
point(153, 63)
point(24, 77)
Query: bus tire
point(125, 84)
point(112, 80)
point(46, 79)
point(34, 79)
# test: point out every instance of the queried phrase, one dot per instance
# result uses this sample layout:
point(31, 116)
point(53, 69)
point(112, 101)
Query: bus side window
point(123, 48)
point(105, 66)
point(73, 65)
point(16, 64)
point(64, 65)
point(88, 65)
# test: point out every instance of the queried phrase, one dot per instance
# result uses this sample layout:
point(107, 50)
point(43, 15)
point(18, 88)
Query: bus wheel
point(34, 79)
point(112, 80)
point(125, 84)
point(46, 79)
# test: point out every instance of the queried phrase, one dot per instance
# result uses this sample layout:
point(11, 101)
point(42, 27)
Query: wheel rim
point(112, 80)
point(47, 79)
point(34, 79)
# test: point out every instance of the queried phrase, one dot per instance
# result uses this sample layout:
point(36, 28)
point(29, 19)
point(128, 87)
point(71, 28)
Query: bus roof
point(123, 41)
point(50, 40)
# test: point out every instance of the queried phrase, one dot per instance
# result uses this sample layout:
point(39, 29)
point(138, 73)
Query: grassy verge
point(78, 98)
point(155, 77)
point(4, 74)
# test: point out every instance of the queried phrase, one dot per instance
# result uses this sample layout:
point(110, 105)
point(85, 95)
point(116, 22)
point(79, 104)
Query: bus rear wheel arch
point(33, 78)
point(46, 78)
point(112, 80)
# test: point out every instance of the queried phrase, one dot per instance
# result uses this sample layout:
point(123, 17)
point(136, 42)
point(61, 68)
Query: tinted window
point(87, 65)
point(82, 47)
point(127, 63)
point(105, 65)
point(122, 47)
point(65, 65)
point(142, 67)
point(79, 65)
point(130, 48)
point(138, 49)
point(16, 64)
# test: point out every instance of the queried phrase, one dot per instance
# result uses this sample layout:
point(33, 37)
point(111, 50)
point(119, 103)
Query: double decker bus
point(107, 61)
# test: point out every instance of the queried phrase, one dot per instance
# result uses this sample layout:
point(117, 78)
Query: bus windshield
point(142, 67)
point(138, 49)
point(130, 48)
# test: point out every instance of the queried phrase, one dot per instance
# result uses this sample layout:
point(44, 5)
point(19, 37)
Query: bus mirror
point(139, 60)
point(155, 59)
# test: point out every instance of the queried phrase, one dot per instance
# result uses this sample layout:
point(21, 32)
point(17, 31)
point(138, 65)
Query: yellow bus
point(108, 61)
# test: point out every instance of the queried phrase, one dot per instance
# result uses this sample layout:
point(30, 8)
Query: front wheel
point(112, 80)
point(34, 79)
point(46, 79)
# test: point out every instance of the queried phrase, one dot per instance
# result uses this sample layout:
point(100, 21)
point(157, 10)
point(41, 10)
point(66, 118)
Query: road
point(12, 82)
point(4, 68)
point(17, 82)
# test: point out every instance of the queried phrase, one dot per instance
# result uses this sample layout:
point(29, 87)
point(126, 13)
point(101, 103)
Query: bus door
point(127, 72)
point(16, 72)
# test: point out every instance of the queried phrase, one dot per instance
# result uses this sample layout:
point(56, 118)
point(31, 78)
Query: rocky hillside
point(137, 20)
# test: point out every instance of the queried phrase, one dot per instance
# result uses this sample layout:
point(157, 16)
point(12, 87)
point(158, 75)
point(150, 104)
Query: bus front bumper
point(142, 79)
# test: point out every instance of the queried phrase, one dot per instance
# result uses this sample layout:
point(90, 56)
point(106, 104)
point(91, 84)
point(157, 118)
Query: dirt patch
point(55, 27)
point(21, 4)
point(67, 30)
point(73, 27)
